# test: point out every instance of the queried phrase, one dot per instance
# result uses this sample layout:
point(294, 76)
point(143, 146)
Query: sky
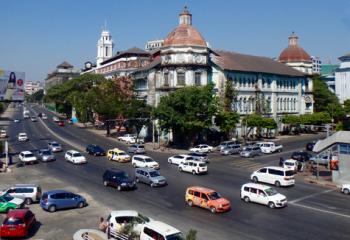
point(37, 35)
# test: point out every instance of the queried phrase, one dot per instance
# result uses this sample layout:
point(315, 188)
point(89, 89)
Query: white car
point(203, 148)
point(74, 157)
point(177, 159)
point(144, 161)
point(127, 137)
point(22, 137)
point(133, 140)
point(3, 133)
point(194, 167)
point(27, 157)
point(43, 116)
point(55, 119)
point(55, 146)
point(345, 188)
point(120, 218)
point(274, 175)
point(291, 164)
point(258, 193)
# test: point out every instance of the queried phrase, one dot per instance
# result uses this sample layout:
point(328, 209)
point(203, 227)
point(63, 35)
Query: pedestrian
point(103, 225)
point(281, 161)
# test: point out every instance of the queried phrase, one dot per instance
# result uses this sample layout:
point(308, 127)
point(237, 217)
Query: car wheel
point(194, 172)
point(190, 203)
point(119, 188)
point(134, 165)
point(28, 201)
point(213, 210)
point(255, 179)
point(277, 184)
point(137, 180)
point(180, 169)
point(52, 208)
point(105, 183)
point(81, 205)
point(246, 199)
point(169, 161)
point(271, 205)
point(152, 185)
point(346, 191)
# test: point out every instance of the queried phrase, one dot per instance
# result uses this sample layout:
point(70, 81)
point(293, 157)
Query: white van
point(274, 175)
point(258, 193)
point(159, 230)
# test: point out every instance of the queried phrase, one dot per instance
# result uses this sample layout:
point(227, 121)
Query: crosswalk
point(248, 164)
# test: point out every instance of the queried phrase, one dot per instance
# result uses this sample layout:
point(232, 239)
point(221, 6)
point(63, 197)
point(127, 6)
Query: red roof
point(294, 54)
point(17, 213)
point(184, 35)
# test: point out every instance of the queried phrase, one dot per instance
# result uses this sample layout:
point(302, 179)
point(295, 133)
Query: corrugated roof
point(248, 63)
point(133, 50)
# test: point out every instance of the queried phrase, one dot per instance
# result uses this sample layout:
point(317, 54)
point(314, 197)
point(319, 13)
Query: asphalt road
point(313, 212)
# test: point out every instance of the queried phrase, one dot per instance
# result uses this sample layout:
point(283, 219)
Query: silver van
point(149, 176)
point(28, 192)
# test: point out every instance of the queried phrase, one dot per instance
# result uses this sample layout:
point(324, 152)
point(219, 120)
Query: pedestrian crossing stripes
point(247, 164)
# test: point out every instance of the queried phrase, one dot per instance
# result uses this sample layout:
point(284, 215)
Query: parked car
point(74, 157)
point(7, 202)
point(160, 230)
point(150, 176)
point(250, 151)
point(33, 119)
point(144, 161)
point(322, 159)
point(43, 116)
point(60, 123)
point(136, 148)
point(30, 193)
point(95, 150)
point(55, 119)
point(230, 149)
point(17, 223)
point(177, 159)
point(193, 167)
point(301, 156)
point(199, 156)
point(273, 175)
point(291, 164)
point(204, 148)
point(258, 193)
point(3, 133)
point(27, 157)
point(22, 137)
point(133, 140)
point(45, 155)
point(118, 155)
point(226, 144)
point(119, 179)
point(310, 146)
point(270, 147)
point(345, 188)
point(122, 217)
point(206, 198)
point(126, 137)
point(55, 147)
point(61, 199)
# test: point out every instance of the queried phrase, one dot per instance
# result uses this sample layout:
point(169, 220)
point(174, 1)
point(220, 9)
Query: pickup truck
point(270, 147)
point(322, 159)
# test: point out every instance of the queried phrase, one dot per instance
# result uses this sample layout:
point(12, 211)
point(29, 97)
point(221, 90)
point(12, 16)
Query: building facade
point(154, 45)
point(62, 74)
point(342, 79)
point(104, 47)
point(316, 65)
point(31, 87)
point(328, 75)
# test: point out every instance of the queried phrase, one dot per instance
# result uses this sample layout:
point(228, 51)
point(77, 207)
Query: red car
point(17, 223)
point(61, 123)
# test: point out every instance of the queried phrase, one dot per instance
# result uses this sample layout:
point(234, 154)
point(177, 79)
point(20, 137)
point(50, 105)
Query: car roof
point(290, 160)
point(26, 152)
point(17, 213)
point(56, 191)
point(162, 228)
point(115, 170)
point(53, 142)
point(121, 213)
point(22, 133)
point(256, 185)
point(194, 161)
point(142, 156)
point(73, 151)
point(44, 149)
point(201, 189)
point(27, 185)
point(276, 168)
point(114, 149)
point(147, 169)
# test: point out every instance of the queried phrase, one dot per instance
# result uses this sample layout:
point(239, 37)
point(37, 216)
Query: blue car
point(61, 199)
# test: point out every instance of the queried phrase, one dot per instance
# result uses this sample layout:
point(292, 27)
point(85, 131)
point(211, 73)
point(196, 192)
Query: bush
point(191, 235)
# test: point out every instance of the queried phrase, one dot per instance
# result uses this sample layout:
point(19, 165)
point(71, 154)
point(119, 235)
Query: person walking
point(281, 161)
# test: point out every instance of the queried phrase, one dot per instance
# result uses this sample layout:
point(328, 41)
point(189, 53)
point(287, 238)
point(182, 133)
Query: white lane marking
point(311, 195)
point(320, 210)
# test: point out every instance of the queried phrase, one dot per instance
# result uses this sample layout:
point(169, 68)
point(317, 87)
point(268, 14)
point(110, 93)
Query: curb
point(322, 183)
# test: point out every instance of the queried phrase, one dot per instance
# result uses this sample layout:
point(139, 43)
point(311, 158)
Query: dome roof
point(184, 35)
point(294, 53)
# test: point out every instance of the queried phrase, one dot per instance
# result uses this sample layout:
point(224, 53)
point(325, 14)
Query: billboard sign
point(11, 85)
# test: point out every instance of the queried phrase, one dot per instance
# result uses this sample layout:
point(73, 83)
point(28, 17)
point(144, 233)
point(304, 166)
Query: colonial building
point(31, 87)
point(342, 79)
point(154, 45)
point(104, 47)
point(63, 73)
point(296, 57)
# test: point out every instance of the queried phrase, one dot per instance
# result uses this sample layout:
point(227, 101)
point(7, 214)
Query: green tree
point(229, 95)
point(346, 106)
point(138, 114)
point(259, 122)
point(322, 95)
point(187, 111)
point(191, 235)
point(227, 121)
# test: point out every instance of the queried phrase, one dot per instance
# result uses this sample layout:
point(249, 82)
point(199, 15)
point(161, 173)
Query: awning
point(338, 137)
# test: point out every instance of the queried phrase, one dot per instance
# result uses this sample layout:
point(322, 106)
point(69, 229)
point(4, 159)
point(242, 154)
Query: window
point(181, 78)
point(197, 194)
point(254, 190)
point(197, 78)
point(263, 170)
point(276, 172)
point(166, 79)
point(190, 192)
point(246, 189)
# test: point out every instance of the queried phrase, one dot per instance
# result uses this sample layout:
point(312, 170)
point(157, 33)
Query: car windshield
point(146, 219)
point(149, 160)
point(214, 195)
point(47, 152)
point(77, 155)
point(22, 135)
point(122, 175)
point(122, 154)
point(176, 236)
point(13, 221)
point(289, 163)
point(29, 155)
point(289, 173)
point(271, 191)
point(248, 149)
point(55, 144)
point(141, 147)
point(8, 197)
point(202, 165)
point(154, 174)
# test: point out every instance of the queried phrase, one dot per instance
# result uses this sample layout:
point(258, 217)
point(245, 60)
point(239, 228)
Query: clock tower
point(104, 47)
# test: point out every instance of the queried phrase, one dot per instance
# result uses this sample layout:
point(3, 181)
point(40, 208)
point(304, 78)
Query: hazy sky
point(37, 35)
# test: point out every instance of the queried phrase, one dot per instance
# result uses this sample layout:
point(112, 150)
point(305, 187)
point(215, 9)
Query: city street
point(312, 212)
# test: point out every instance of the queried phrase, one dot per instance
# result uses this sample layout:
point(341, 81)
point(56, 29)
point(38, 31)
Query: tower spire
point(185, 18)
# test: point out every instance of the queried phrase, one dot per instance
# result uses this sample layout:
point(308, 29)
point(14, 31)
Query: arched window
point(278, 104)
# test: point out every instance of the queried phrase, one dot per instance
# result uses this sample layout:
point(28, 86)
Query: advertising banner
point(11, 85)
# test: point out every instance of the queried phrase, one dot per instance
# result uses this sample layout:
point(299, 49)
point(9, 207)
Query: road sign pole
point(7, 154)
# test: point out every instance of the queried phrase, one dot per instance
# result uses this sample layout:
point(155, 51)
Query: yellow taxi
point(118, 155)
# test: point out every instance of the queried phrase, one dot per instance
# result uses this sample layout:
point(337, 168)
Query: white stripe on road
point(320, 210)
point(311, 195)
